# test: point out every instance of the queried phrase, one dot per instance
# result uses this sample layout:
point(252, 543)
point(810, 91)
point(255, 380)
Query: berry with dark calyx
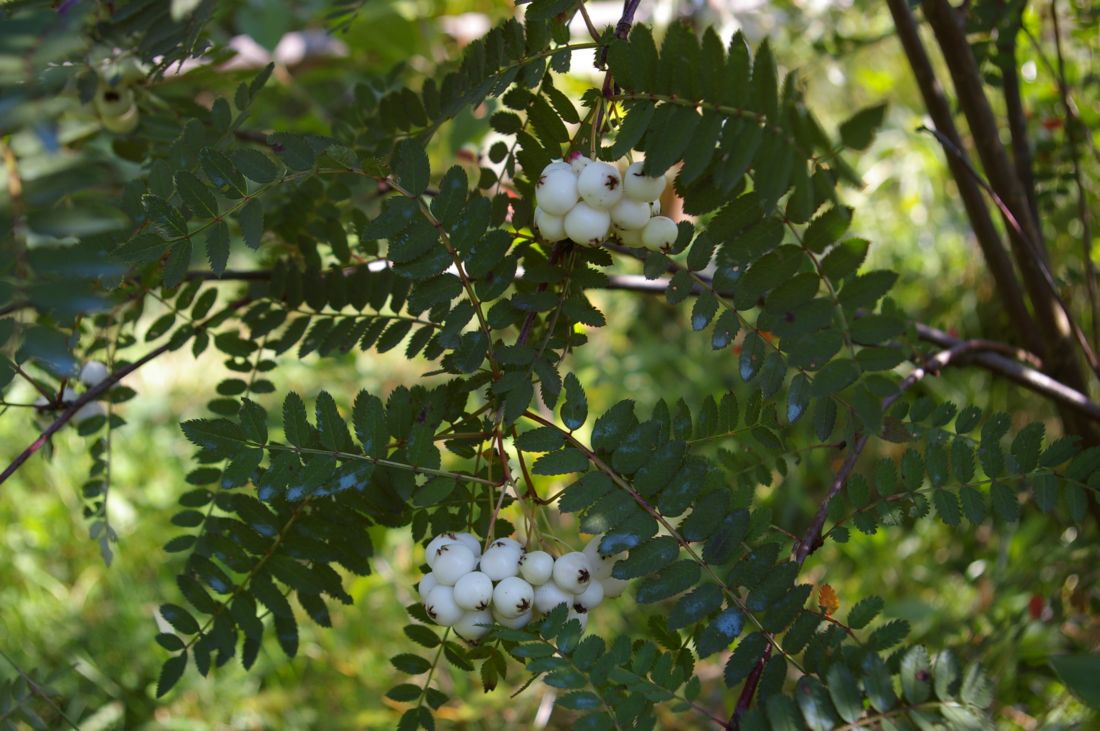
point(453, 561)
point(600, 185)
point(512, 597)
point(468, 540)
point(587, 225)
point(556, 192)
point(441, 608)
point(537, 567)
point(500, 561)
point(572, 572)
point(642, 187)
point(581, 615)
point(473, 625)
point(630, 214)
point(551, 228)
point(590, 597)
point(431, 551)
point(474, 591)
point(659, 233)
point(550, 595)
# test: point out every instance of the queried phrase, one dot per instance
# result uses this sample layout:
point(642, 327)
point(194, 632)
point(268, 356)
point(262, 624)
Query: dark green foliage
point(368, 248)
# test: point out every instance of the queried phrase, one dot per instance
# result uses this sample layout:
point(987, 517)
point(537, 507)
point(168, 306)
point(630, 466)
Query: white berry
point(629, 237)
point(587, 225)
point(472, 626)
point(655, 207)
point(94, 373)
point(642, 187)
point(572, 572)
point(512, 597)
point(557, 165)
point(426, 585)
point(600, 185)
point(431, 551)
point(68, 395)
point(550, 227)
point(601, 565)
point(550, 595)
point(590, 597)
point(468, 540)
point(474, 591)
point(518, 622)
point(556, 192)
point(613, 587)
point(511, 543)
point(630, 214)
point(580, 616)
point(500, 562)
point(453, 562)
point(659, 232)
point(578, 162)
point(89, 410)
point(440, 606)
point(536, 567)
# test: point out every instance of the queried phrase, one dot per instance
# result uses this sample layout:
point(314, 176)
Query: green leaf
point(765, 86)
point(695, 606)
point(744, 657)
point(947, 680)
point(410, 664)
point(251, 220)
point(916, 675)
point(669, 582)
point(179, 618)
point(844, 691)
point(866, 289)
point(720, 632)
point(977, 690)
point(560, 463)
point(294, 150)
point(217, 247)
point(834, 376)
point(222, 173)
point(1079, 673)
point(253, 421)
point(798, 397)
point(827, 228)
point(857, 131)
point(196, 195)
point(1026, 446)
point(255, 165)
point(295, 425)
point(170, 673)
point(878, 685)
point(410, 166)
point(647, 558)
point(813, 699)
point(219, 437)
point(864, 611)
point(574, 411)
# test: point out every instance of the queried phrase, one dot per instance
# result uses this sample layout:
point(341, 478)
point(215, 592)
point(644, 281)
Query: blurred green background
point(1014, 596)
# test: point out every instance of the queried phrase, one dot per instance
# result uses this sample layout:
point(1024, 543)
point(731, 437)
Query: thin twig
point(93, 393)
point(988, 238)
point(1041, 265)
point(1073, 123)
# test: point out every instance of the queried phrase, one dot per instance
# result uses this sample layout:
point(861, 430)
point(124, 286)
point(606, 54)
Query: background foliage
point(963, 529)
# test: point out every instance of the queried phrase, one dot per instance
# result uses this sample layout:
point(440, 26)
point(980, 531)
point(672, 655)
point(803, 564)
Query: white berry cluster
point(507, 585)
point(590, 201)
point(92, 374)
